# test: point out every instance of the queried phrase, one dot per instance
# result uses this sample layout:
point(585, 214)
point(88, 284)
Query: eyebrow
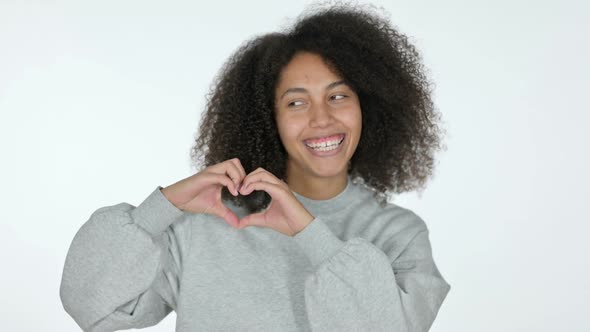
point(328, 87)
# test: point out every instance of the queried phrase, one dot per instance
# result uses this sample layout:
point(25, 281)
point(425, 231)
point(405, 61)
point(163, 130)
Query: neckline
point(327, 206)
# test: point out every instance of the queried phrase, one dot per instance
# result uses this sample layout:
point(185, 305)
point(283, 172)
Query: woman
point(287, 227)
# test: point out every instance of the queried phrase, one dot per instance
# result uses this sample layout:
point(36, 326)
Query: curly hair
point(400, 126)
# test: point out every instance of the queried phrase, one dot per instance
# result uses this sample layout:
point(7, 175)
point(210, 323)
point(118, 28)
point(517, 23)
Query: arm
point(123, 265)
point(357, 287)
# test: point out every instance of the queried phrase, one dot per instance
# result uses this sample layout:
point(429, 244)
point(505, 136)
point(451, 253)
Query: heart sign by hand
point(284, 214)
point(201, 192)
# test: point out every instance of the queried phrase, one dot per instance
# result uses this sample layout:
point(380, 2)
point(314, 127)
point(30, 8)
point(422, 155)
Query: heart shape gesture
point(201, 193)
point(284, 214)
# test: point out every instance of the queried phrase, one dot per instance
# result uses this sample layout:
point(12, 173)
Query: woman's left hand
point(284, 214)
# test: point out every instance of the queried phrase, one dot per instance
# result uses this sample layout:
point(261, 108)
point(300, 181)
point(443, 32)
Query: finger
point(216, 168)
point(238, 164)
point(229, 170)
point(251, 174)
point(271, 188)
point(214, 178)
point(261, 175)
point(222, 168)
point(234, 173)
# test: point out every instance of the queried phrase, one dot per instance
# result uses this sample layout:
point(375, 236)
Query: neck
point(317, 188)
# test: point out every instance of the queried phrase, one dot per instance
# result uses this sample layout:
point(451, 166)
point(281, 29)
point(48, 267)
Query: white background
point(100, 101)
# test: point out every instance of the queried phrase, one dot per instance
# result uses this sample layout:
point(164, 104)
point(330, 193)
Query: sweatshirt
point(357, 266)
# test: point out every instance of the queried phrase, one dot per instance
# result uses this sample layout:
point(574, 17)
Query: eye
point(338, 97)
point(295, 103)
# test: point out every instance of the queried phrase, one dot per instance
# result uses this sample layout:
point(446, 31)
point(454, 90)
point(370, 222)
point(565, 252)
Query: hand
point(201, 192)
point(284, 214)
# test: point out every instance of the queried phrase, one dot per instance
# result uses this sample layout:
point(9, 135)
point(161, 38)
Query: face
point(318, 118)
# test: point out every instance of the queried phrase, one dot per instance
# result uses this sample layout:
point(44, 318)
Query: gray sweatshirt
point(356, 267)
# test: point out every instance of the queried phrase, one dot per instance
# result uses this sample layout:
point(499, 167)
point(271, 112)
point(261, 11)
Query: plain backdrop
point(100, 102)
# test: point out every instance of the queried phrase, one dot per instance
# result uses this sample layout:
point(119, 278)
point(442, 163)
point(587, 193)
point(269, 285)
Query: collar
point(335, 204)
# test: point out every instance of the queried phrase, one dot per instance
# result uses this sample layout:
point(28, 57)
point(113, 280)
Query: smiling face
point(318, 117)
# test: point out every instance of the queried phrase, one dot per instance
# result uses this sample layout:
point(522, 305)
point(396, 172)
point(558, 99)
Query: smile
point(326, 144)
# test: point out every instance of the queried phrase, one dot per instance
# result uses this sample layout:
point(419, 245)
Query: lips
point(320, 139)
point(328, 148)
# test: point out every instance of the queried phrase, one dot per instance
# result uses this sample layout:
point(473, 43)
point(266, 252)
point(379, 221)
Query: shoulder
point(390, 227)
point(388, 214)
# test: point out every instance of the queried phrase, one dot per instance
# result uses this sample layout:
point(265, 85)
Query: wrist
point(168, 195)
point(306, 221)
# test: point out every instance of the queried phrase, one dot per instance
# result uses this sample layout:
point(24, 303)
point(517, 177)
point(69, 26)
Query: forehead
point(306, 67)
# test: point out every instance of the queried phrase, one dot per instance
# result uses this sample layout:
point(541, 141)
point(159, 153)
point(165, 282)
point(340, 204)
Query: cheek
point(359, 119)
point(354, 121)
point(288, 130)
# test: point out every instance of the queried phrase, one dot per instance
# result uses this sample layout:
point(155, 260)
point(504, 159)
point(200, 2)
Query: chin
point(328, 172)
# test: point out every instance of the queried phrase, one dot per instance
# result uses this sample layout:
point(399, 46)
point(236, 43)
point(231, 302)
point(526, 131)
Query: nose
point(320, 116)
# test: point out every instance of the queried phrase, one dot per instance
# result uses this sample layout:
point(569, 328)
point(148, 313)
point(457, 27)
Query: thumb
point(227, 214)
point(255, 219)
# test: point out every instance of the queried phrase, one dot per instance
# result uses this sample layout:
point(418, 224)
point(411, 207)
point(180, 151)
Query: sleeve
point(355, 286)
point(122, 269)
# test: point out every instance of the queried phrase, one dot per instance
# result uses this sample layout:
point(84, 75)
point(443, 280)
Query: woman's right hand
point(201, 192)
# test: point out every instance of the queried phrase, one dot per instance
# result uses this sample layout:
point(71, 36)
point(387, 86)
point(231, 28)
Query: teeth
point(325, 146)
point(331, 147)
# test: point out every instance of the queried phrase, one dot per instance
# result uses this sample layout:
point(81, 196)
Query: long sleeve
point(358, 287)
point(123, 266)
